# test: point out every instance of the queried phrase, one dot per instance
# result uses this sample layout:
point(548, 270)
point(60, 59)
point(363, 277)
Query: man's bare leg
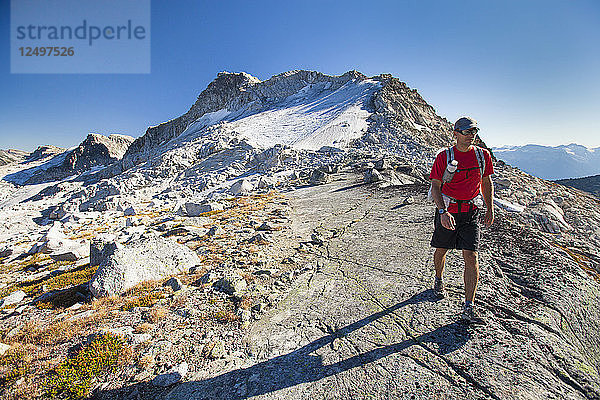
point(471, 273)
point(439, 261)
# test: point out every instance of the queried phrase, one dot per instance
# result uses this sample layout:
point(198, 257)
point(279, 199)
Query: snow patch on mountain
point(312, 118)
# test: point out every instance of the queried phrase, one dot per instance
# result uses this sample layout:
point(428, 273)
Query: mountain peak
point(343, 100)
point(237, 75)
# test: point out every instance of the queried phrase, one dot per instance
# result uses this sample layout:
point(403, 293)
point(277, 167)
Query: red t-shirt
point(466, 182)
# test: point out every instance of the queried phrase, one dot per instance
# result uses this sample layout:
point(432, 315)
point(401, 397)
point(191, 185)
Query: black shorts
point(464, 237)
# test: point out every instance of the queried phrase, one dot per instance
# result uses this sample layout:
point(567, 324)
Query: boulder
point(186, 230)
point(508, 206)
point(13, 298)
point(399, 179)
point(195, 209)
point(57, 213)
point(260, 237)
point(231, 284)
point(407, 170)
point(55, 233)
point(408, 200)
point(382, 164)
point(71, 254)
point(174, 283)
point(214, 350)
point(241, 188)
point(265, 182)
point(371, 175)
point(317, 239)
point(99, 245)
point(143, 258)
point(548, 216)
point(329, 168)
point(56, 244)
point(5, 252)
point(266, 226)
point(318, 177)
point(129, 211)
point(215, 231)
point(3, 348)
point(207, 277)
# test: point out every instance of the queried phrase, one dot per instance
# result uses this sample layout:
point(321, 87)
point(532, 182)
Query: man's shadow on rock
point(301, 366)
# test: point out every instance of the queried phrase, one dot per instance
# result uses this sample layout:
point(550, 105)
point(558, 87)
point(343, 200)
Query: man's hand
point(489, 217)
point(447, 221)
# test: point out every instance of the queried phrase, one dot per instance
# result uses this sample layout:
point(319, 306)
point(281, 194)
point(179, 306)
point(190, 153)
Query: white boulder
point(243, 187)
point(13, 298)
point(59, 247)
point(147, 257)
point(508, 206)
point(4, 348)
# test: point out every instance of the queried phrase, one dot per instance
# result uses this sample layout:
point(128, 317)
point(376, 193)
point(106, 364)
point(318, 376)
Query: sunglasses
point(470, 131)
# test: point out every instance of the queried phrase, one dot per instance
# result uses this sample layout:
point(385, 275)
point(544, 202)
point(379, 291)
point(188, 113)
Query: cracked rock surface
point(365, 324)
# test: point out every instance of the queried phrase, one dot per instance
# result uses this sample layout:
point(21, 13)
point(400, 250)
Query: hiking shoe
point(439, 289)
point(471, 316)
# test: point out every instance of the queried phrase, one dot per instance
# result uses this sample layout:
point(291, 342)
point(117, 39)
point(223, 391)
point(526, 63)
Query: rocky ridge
point(95, 151)
point(44, 152)
point(11, 156)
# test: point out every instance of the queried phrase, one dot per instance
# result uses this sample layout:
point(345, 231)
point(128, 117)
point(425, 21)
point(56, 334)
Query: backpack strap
point(449, 155)
point(449, 159)
point(480, 159)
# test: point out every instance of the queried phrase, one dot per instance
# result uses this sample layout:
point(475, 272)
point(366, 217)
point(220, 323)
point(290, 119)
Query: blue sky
point(527, 70)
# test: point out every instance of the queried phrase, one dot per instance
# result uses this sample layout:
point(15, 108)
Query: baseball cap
point(464, 123)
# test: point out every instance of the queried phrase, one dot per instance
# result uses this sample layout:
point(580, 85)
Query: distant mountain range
point(559, 162)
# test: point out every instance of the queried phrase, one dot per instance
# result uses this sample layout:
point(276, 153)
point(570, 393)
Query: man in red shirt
point(457, 214)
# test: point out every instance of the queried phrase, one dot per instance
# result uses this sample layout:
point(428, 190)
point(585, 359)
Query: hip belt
point(449, 200)
point(459, 203)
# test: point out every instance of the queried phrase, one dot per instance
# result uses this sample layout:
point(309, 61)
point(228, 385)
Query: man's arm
point(487, 189)
point(436, 193)
point(446, 219)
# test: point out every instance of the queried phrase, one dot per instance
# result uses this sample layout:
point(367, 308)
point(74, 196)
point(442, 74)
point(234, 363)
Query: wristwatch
point(442, 211)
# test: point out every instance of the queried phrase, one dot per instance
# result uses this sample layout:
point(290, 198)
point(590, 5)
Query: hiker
point(457, 213)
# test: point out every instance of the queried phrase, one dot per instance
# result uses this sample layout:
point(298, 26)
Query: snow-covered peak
point(238, 93)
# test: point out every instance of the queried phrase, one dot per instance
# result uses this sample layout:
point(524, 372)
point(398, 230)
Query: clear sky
point(529, 71)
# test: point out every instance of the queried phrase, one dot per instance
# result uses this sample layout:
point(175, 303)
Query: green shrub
point(73, 277)
point(147, 300)
point(73, 378)
point(14, 364)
